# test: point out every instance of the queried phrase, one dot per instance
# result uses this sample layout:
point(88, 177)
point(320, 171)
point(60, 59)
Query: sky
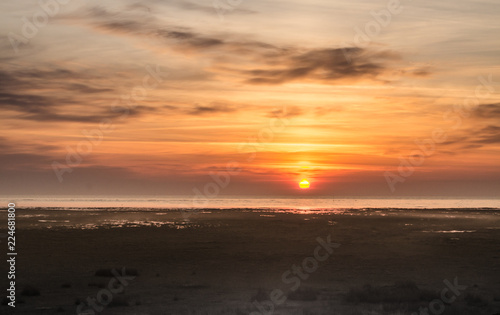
point(236, 97)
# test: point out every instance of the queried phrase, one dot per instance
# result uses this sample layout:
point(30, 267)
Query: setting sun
point(304, 184)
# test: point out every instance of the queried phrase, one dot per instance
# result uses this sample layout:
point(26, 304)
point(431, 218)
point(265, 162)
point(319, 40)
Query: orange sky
point(174, 92)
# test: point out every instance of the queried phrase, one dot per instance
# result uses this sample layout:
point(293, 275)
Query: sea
point(179, 212)
point(248, 202)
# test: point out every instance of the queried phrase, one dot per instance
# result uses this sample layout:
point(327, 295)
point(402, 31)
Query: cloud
point(187, 5)
point(325, 65)
point(89, 118)
point(4, 146)
point(286, 112)
point(211, 109)
point(488, 111)
point(30, 94)
point(42, 78)
point(191, 40)
point(33, 100)
point(182, 38)
point(488, 135)
point(24, 102)
point(255, 62)
point(83, 88)
point(24, 160)
point(48, 108)
point(422, 72)
point(23, 155)
point(477, 138)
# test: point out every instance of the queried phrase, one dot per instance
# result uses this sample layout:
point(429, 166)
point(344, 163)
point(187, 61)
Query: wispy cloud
point(254, 61)
point(211, 109)
point(488, 111)
point(476, 138)
point(323, 65)
point(30, 94)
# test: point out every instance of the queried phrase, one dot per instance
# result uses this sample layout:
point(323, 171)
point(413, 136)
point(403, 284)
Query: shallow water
point(245, 202)
point(93, 218)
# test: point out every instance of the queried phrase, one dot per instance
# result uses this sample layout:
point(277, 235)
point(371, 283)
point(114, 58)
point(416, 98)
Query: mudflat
point(378, 261)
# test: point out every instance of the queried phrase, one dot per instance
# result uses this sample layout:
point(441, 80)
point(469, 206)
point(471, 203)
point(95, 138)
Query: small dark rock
point(30, 291)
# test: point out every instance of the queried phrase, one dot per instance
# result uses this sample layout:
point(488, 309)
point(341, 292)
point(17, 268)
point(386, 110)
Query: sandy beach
point(249, 262)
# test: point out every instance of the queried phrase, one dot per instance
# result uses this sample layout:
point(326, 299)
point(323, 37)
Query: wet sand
point(223, 261)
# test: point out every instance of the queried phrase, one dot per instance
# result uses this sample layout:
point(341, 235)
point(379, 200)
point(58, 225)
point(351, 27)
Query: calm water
point(115, 212)
point(189, 202)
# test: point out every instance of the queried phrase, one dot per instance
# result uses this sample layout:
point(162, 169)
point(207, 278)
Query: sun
point(304, 184)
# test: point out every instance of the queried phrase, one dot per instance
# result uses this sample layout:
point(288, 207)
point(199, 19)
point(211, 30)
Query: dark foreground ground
point(236, 262)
